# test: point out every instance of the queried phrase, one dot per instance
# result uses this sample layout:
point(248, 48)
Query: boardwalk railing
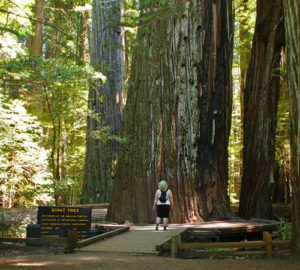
point(101, 236)
point(175, 244)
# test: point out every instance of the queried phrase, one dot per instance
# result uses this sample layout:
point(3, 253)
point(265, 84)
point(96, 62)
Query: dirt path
point(125, 261)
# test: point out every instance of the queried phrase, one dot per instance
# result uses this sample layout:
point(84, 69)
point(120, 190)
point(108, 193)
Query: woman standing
point(163, 202)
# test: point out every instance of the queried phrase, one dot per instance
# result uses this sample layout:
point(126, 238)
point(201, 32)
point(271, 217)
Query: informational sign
point(56, 221)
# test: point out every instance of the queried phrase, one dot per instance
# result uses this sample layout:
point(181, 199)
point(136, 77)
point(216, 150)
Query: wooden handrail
point(168, 242)
point(165, 242)
point(101, 236)
point(174, 244)
point(167, 246)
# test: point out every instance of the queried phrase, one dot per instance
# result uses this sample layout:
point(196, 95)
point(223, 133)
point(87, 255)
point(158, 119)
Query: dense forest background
point(100, 101)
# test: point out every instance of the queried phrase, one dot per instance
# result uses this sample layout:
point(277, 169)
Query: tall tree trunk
point(261, 100)
point(55, 16)
point(178, 112)
point(106, 102)
point(292, 17)
point(35, 42)
point(82, 38)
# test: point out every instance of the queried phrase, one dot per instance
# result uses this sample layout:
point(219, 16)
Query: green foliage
point(24, 176)
point(282, 146)
point(63, 99)
point(245, 16)
point(285, 228)
point(13, 224)
point(54, 89)
point(235, 150)
point(5, 224)
point(283, 125)
point(14, 15)
point(68, 189)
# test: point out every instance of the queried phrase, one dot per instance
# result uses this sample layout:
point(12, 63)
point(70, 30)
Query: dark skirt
point(163, 210)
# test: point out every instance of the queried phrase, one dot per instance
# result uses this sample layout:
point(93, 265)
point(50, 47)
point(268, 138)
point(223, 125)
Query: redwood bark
point(261, 101)
point(35, 43)
point(106, 103)
point(292, 17)
point(177, 116)
point(82, 38)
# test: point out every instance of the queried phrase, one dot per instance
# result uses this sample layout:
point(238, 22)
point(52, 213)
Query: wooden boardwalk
point(143, 239)
point(139, 239)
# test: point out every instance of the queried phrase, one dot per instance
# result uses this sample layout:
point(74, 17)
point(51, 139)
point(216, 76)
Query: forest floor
point(126, 261)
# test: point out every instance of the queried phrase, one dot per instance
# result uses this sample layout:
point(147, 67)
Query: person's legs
point(165, 221)
point(166, 216)
point(159, 215)
point(157, 222)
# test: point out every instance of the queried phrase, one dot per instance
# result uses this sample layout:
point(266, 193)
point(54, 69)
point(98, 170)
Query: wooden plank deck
point(139, 239)
point(144, 238)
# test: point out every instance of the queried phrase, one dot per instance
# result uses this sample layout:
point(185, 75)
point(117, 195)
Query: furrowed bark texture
point(106, 102)
point(292, 20)
point(177, 116)
point(35, 43)
point(261, 101)
point(82, 38)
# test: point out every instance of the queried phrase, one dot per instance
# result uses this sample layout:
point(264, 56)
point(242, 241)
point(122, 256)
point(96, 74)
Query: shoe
point(156, 227)
point(165, 228)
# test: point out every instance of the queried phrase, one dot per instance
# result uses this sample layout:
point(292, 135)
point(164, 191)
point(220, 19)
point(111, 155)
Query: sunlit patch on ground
point(32, 264)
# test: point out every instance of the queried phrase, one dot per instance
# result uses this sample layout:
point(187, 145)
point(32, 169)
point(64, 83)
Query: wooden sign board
point(55, 221)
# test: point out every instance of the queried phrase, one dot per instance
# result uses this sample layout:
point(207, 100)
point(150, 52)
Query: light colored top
point(158, 193)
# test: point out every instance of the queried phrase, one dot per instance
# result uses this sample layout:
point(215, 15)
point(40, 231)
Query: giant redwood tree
point(106, 102)
point(178, 112)
point(260, 109)
point(292, 17)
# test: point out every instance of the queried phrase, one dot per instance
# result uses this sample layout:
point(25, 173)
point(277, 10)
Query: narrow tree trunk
point(82, 38)
point(178, 113)
point(56, 18)
point(35, 42)
point(106, 103)
point(261, 100)
point(292, 19)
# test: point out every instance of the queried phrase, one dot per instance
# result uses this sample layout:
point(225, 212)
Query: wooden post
point(179, 239)
point(268, 241)
point(174, 246)
point(71, 240)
